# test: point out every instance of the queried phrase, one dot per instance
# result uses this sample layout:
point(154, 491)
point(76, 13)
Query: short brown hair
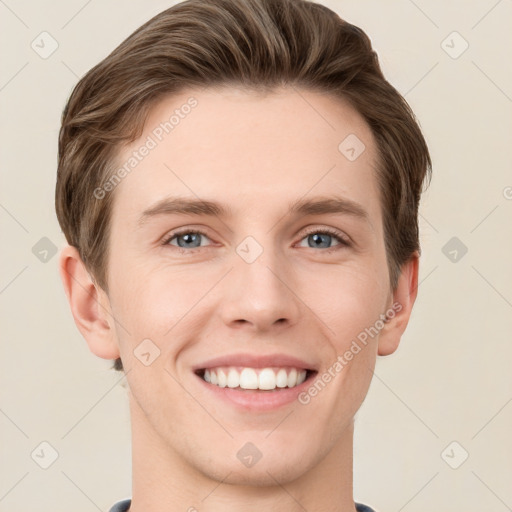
point(258, 44)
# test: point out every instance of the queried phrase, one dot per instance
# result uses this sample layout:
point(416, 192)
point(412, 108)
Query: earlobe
point(399, 311)
point(89, 305)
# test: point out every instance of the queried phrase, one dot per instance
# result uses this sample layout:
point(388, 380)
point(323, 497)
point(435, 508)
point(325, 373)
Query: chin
point(263, 475)
point(276, 467)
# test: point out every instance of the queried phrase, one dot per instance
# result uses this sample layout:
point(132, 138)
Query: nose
point(260, 295)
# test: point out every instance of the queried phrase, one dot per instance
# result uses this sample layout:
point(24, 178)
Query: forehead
point(251, 151)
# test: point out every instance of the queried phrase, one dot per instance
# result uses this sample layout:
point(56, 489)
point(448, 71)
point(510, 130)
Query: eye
point(187, 240)
point(321, 237)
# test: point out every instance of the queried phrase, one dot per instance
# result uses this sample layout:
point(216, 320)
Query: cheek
point(157, 304)
point(160, 301)
point(352, 300)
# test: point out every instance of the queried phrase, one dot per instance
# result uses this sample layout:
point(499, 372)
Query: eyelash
point(342, 239)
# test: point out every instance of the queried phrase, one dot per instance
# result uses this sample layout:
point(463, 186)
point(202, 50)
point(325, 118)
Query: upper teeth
point(255, 378)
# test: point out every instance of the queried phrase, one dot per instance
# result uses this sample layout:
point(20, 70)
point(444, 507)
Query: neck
point(163, 481)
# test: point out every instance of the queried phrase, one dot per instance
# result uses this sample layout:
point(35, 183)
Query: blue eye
point(188, 241)
point(321, 237)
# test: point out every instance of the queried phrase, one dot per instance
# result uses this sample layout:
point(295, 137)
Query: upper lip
point(255, 361)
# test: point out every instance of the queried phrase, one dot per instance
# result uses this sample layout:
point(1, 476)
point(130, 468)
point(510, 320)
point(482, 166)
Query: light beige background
point(451, 379)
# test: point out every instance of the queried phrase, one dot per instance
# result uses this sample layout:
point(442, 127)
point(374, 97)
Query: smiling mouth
point(260, 379)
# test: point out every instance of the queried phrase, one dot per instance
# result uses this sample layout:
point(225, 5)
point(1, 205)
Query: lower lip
point(257, 400)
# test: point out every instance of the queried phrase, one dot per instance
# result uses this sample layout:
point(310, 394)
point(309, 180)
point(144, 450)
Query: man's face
point(258, 282)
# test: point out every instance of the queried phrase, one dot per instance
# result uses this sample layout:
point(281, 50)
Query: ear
point(400, 307)
point(89, 304)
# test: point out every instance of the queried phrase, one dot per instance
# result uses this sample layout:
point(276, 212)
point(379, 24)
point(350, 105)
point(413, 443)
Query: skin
point(255, 153)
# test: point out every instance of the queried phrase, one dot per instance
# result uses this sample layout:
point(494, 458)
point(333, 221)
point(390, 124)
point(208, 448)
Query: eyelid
point(182, 231)
point(344, 240)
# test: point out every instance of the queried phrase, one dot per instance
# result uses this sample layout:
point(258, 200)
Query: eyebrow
point(314, 206)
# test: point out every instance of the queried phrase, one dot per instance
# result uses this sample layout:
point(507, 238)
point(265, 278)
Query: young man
point(239, 188)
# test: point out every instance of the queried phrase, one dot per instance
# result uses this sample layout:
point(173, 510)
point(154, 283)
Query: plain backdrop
point(434, 430)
